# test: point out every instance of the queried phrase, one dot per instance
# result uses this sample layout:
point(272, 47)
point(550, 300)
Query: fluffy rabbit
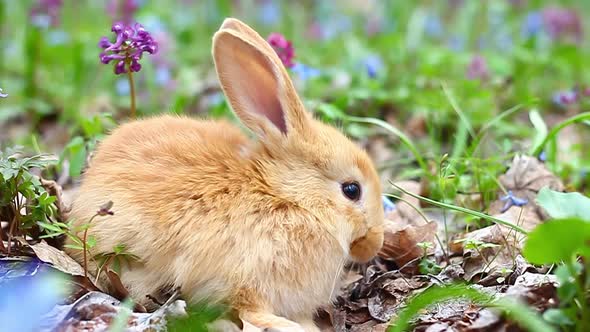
point(265, 225)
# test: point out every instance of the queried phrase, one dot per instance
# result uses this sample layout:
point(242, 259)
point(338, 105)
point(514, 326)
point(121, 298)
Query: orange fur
point(261, 225)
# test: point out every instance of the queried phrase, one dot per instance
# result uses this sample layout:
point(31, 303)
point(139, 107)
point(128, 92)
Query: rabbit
point(261, 222)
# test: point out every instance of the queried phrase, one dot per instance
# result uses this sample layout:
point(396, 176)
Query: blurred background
point(447, 73)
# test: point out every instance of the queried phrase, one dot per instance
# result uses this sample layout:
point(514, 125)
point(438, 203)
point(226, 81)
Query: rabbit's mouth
point(366, 247)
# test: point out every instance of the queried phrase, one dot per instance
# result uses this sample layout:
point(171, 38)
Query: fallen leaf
point(402, 285)
point(525, 178)
point(529, 173)
point(57, 258)
point(439, 327)
point(496, 247)
point(55, 189)
point(400, 244)
point(95, 311)
point(382, 306)
point(405, 227)
point(485, 321)
point(538, 290)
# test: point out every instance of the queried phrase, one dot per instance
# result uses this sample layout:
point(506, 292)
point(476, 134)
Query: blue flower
point(388, 205)
point(28, 295)
point(122, 87)
point(335, 26)
point(456, 43)
point(58, 37)
point(511, 200)
point(543, 156)
point(433, 26)
point(305, 72)
point(373, 64)
point(270, 13)
point(3, 95)
point(532, 25)
point(163, 75)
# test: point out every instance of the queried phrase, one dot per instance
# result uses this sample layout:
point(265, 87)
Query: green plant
point(113, 260)
point(24, 203)
point(427, 265)
point(565, 242)
point(91, 130)
point(518, 312)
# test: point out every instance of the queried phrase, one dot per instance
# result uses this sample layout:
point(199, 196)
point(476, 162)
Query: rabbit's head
point(304, 161)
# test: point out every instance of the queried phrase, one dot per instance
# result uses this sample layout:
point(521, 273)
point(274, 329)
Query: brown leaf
point(439, 327)
point(490, 263)
point(370, 326)
point(57, 258)
point(55, 189)
point(119, 291)
point(538, 290)
point(485, 321)
point(402, 286)
point(400, 244)
point(531, 174)
point(525, 178)
point(382, 306)
point(95, 311)
point(357, 317)
point(405, 227)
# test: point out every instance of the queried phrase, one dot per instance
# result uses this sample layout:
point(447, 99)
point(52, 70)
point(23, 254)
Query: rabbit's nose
point(367, 246)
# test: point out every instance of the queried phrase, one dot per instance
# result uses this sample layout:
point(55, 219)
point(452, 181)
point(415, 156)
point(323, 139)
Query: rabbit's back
point(156, 172)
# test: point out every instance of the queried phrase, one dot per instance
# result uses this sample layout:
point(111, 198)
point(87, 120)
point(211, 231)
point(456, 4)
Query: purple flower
point(45, 13)
point(562, 22)
point(123, 10)
point(477, 68)
point(105, 209)
point(511, 200)
point(283, 47)
point(3, 95)
point(565, 98)
point(128, 48)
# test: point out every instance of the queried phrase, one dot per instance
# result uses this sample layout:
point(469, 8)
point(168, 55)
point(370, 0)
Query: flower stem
point(85, 246)
point(131, 92)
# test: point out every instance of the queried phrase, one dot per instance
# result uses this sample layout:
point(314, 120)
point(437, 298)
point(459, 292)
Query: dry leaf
point(405, 228)
point(55, 189)
point(382, 307)
point(57, 258)
point(538, 290)
point(95, 311)
point(530, 174)
point(490, 263)
point(401, 244)
point(525, 177)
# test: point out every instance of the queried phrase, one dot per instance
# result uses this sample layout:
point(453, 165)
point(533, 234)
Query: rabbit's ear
point(255, 82)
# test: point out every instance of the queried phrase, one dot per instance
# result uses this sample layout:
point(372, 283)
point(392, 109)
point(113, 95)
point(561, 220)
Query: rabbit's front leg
point(308, 325)
point(268, 322)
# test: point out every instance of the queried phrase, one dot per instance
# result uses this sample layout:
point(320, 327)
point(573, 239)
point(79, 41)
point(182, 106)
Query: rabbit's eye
point(352, 190)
